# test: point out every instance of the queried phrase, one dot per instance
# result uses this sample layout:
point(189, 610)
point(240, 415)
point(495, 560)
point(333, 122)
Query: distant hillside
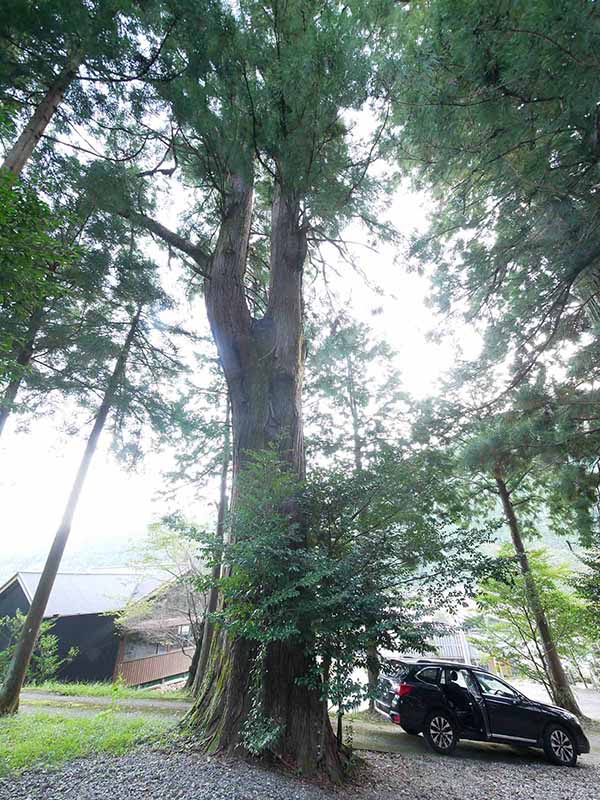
point(80, 556)
point(556, 546)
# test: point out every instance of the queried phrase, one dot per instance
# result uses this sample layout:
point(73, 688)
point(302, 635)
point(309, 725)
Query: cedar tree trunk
point(563, 693)
point(213, 594)
point(23, 358)
point(263, 364)
point(11, 689)
point(21, 151)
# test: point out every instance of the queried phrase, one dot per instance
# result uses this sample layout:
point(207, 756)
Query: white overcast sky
point(37, 467)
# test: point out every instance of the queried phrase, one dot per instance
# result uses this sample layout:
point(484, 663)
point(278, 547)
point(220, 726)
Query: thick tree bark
point(263, 364)
point(213, 595)
point(23, 359)
point(10, 691)
point(19, 154)
point(563, 693)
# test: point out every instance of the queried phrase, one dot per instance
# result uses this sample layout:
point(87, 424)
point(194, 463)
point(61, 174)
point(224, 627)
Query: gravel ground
point(468, 778)
point(147, 774)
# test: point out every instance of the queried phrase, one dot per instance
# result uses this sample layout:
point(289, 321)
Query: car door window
point(495, 687)
point(461, 678)
point(428, 675)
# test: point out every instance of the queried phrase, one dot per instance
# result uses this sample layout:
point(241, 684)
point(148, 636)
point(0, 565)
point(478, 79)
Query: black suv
point(446, 702)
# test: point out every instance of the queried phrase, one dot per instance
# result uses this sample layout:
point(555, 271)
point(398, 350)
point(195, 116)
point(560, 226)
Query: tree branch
point(171, 238)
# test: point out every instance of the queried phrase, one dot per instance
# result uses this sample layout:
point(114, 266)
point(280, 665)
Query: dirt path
point(39, 698)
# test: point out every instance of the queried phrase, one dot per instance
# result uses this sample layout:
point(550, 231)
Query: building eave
point(16, 578)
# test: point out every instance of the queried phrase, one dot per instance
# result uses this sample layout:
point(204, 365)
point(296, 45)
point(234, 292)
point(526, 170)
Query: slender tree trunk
point(372, 673)
point(23, 358)
point(10, 691)
point(213, 595)
point(194, 663)
point(562, 690)
point(263, 364)
point(358, 465)
point(22, 149)
point(372, 655)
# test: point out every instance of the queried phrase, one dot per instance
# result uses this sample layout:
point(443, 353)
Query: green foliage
point(45, 660)
point(340, 562)
point(203, 428)
point(355, 405)
point(259, 732)
point(48, 740)
point(116, 40)
point(496, 104)
point(506, 630)
point(29, 255)
point(496, 107)
point(169, 550)
point(587, 585)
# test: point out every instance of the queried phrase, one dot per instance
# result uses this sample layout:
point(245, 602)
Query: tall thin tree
point(13, 682)
point(561, 689)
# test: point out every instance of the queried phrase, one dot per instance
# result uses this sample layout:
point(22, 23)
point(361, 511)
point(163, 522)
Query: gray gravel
point(503, 776)
point(147, 774)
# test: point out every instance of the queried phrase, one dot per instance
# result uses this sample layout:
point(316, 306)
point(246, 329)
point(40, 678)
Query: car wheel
point(559, 746)
point(410, 731)
point(440, 733)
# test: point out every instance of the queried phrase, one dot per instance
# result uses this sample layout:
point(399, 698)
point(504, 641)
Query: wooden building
point(84, 607)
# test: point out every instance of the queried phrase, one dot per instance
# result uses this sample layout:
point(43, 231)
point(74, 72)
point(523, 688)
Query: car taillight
point(403, 688)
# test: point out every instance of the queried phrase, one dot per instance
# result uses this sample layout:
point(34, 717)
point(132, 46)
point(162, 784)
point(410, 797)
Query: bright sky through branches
point(118, 504)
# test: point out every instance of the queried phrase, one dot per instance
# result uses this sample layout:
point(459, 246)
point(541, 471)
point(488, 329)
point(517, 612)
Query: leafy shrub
point(45, 661)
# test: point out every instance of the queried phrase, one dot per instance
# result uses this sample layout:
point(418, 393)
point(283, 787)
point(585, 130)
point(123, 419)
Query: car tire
point(440, 733)
point(559, 746)
point(411, 731)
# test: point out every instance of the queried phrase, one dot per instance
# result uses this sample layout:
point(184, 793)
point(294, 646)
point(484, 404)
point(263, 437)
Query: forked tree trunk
point(23, 359)
point(213, 595)
point(11, 688)
point(562, 691)
point(263, 364)
point(20, 153)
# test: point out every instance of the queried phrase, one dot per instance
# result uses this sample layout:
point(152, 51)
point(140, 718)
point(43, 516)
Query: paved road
point(380, 736)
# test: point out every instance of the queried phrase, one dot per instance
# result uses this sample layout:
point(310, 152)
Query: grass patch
point(47, 740)
point(115, 690)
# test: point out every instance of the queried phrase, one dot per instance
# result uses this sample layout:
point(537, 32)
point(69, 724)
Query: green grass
point(116, 690)
point(28, 740)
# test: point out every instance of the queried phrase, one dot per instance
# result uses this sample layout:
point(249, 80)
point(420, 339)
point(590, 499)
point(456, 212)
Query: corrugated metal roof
point(92, 592)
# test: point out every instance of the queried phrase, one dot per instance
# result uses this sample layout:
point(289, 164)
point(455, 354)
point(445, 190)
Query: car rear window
point(397, 670)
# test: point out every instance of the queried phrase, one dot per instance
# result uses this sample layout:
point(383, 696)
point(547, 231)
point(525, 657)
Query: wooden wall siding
point(155, 668)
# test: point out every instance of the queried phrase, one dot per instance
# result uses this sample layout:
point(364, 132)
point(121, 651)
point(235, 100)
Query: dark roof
point(88, 592)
